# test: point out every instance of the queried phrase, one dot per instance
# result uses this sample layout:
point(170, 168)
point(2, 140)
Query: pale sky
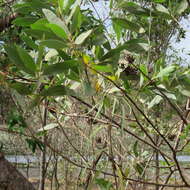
point(183, 47)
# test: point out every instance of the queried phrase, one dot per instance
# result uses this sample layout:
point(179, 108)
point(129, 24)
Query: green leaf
point(33, 144)
point(103, 68)
point(67, 5)
point(32, 6)
point(134, 8)
point(117, 29)
point(18, 56)
point(184, 80)
point(40, 145)
point(52, 53)
point(40, 24)
point(73, 76)
point(21, 88)
point(99, 39)
point(57, 30)
point(48, 127)
point(128, 25)
point(112, 91)
point(166, 71)
point(55, 44)
point(40, 34)
point(27, 60)
point(182, 6)
point(88, 90)
point(76, 17)
point(111, 4)
point(135, 149)
point(61, 67)
point(183, 91)
point(64, 55)
point(121, 183)
point(29, 42)
point(53, 19)
point(60, 5)
point(159, 1)
point(57, 91)
point(185, 133)
point(98, 51)
point(82, 37)
point(16, 122)
point(144, 70)
point(14, 56)
point(170, 95)
point(160, 8)
point(134, 46)
point(24, 21)
point(139, 168)
point(103, 184)
point(23, 8)
point(156, 100)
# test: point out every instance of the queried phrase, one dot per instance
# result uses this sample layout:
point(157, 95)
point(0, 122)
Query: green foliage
point(21, 88)
point(103, 184)
point(53, 19)
point(128, 25)
point(16, 123)
point(63, 67)
point(56, 91)
point(134, 8)
point(27, 21)
point(82, 37)
point(56, 44)
point(185, 134)
point(34, 143)
point(21, 58)
point(29, 42)
point(68, 57)
point(182, 6)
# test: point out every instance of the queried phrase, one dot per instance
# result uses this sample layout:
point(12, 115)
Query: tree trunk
point(42, 170)
point(11, 178)
point(43, 153)
point(6, 22)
